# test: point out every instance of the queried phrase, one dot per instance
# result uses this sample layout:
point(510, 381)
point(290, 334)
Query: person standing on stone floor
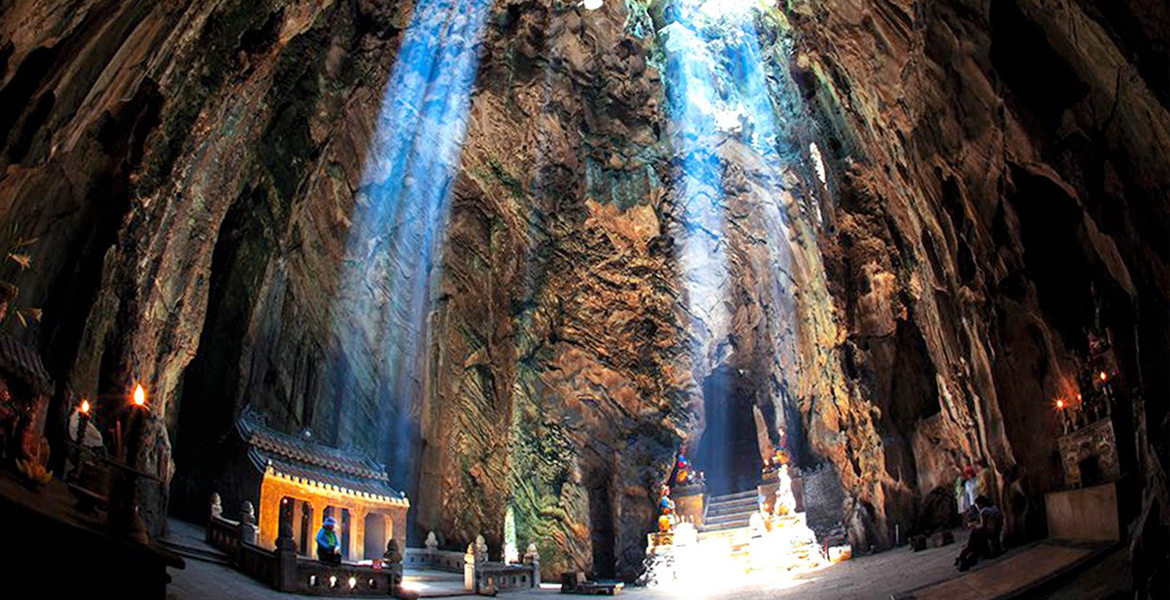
point(328, 548)
point(965, 490)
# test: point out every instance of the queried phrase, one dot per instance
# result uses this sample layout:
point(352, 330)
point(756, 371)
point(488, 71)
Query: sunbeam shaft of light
point(400, 218)
point(718, 91)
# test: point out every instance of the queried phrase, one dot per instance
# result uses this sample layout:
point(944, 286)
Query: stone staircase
point(727, 518)
point(186, 540)
point(730, 511)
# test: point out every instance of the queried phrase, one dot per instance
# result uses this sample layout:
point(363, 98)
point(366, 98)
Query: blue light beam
point(400, 221)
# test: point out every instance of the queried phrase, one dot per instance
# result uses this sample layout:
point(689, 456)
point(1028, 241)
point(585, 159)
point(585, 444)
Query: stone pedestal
point(1087, 514)
point(689, 502)
point(285, 577)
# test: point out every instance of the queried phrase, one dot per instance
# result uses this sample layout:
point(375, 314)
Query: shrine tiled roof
point(24, 363)
point(315, 464)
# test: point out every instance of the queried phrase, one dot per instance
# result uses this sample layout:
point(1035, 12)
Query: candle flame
point(139, 396)
point(1103, 376)
point(84, 406)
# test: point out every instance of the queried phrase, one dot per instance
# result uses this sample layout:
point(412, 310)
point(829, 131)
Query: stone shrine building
point(294, 479)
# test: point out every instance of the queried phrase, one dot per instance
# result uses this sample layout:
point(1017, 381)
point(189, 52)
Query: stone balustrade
point(481, 576)
point(439, 560)
point(285, 571)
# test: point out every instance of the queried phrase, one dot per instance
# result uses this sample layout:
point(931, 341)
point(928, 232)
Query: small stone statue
point(481, 549)
point(247, 512)
point(532, 560)
point(247, 522)
point(531, 555)
point(393, 554)
point(216, 506)
point(432, 542)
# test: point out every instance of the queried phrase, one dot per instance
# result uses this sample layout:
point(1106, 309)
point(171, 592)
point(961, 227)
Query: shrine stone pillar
point(318, 519)
point(357, 533)
point(269, 517)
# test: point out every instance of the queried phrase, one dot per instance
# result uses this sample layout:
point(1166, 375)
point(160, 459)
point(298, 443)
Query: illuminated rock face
point(191, 174)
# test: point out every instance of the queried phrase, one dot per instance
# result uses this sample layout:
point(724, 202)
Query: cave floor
point(866, 577)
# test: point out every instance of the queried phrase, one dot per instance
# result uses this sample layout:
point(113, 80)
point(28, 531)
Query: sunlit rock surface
point(192, 170)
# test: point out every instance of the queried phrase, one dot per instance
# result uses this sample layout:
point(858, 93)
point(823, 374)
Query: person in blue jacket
point(328, 547)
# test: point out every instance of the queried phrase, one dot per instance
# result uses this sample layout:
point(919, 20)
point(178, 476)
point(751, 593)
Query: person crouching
point(986, 523)
point(328, 548)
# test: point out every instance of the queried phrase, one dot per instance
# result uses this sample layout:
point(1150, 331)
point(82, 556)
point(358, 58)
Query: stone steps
point(730, 512)
point(716, 510)
point(194, 551)
point(726, 525)
point(735, 496)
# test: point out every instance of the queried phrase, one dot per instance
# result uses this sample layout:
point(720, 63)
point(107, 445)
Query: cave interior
point(521, 272)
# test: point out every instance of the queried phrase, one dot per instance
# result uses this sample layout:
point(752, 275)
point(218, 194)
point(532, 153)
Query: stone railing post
point(247, 527)
point(216, 513)
point(532, 559)
point(393, 563)
point(285, 554)
point(469, 564)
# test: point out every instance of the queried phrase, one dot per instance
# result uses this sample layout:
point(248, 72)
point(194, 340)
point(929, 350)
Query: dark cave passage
point(729, 450)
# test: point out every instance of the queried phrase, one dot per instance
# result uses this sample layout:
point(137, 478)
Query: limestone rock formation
point(1000, 174)
point(952, 192)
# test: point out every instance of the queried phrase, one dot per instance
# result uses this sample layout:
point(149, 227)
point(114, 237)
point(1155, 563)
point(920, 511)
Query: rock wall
point(184, 166)
point(1001, 184)
point(956, 191)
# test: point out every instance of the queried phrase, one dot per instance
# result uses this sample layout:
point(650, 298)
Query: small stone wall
point(823, 498)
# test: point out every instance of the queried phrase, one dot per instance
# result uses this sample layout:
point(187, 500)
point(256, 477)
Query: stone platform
point(862, 578)
point(1013, 577)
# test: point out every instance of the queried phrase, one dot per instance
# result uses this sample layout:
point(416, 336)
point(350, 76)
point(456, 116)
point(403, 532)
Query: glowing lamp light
point(1103, 376)
point(332, 581)
point(591, 4)
point(139, 396)
point(84, 407)
point(352, 582)
point(1060, 404)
